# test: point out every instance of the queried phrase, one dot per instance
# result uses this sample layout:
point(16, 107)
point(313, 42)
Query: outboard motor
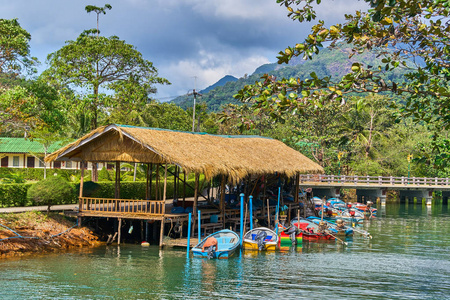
point(260, 239)
point(210, 252)
point(292, 232)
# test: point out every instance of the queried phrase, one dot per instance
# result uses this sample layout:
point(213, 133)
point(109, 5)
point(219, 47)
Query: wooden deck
point(151, 210)
point(181, 243)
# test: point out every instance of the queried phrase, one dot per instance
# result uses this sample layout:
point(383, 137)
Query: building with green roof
point(26, 153)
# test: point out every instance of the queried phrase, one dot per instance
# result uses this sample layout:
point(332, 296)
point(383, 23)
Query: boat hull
point(227, 244)
point(270, 242)
point(285, 239)
point(252, 245)
point(216, 254)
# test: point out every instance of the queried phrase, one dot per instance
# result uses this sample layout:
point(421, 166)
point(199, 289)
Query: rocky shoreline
point(36, 232)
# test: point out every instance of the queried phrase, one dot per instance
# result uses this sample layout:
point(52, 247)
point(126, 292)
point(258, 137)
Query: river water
point(408, 258)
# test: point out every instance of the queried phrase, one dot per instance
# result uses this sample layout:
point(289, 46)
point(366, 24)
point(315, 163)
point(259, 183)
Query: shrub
point(103, 175)
point(14, 195)
point(50, 191)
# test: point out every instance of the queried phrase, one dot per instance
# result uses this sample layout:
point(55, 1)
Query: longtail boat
point(344, 230)
point(311, 231)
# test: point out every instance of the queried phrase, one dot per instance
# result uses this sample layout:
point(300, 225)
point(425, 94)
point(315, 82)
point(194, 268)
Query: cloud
point(208, 69)
point(183, 38)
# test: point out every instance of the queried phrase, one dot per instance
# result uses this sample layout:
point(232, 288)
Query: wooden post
point(297, 187)
point(142, 230)
point(165, 189)
point(80, 201)
point(164, 205)
point(157, 182)
point(81, 180)
point(161, 234)
point(184, 189)
point(117, 187)
point(146, 183)
point(194, 208)
point(175, 183)
point(151, 183)
point(119, 229)
point(222, 200)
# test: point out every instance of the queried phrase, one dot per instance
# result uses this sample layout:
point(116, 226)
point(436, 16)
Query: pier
point(244, 163)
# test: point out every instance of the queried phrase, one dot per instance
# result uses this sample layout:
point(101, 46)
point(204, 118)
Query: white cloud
point(229, 9)
point(208, 70)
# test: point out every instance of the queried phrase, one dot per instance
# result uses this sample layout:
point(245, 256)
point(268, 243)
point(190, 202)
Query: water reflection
point(408, 258)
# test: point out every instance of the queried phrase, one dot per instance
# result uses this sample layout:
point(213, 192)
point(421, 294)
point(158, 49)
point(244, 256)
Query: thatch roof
point(211, 155)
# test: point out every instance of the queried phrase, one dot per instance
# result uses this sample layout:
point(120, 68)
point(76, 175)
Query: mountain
point(330, 62)
point(221, 82)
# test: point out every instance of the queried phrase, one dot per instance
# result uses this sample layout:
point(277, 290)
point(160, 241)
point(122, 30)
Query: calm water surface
point(408, 258)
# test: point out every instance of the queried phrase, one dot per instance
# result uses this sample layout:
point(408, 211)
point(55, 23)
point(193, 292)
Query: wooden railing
point(375, 180)
point(122, 206)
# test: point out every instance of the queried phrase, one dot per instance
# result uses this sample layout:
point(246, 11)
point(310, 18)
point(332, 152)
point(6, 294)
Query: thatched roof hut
point(211, 155)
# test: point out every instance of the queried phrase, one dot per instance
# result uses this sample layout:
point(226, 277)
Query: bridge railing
point(376, 180)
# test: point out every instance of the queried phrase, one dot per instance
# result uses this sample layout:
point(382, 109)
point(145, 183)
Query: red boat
point(311, 230)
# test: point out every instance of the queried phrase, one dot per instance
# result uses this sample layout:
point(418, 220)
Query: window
point(16, 161)
point(68, 164)
point(41, 162)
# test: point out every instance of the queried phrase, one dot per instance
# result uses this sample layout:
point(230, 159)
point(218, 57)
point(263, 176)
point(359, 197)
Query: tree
point(366, 120)
point(14, 48)
point(46, 137)
point(51, 191)
point(98, 11)
point(412, 35)
point(30, 105)
point(101, 63)
point(95, 63)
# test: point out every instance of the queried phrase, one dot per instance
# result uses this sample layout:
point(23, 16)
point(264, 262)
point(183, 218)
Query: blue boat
point(227, 244)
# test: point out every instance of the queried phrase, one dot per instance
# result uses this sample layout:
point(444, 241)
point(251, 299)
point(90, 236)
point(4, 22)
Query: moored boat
point(290, 236)
point(313, 231)
point(339, 227)
point(227, 244)
point(261, 238)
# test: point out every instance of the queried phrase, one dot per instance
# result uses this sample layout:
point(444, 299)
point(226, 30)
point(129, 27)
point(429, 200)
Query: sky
point(192, 43)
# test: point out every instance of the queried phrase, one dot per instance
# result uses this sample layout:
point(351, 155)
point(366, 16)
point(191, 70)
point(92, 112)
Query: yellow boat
point(260, 239)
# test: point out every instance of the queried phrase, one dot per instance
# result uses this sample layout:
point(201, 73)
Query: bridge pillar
point(445, 196)
point(364, 195)
point(328, 192)
point(419, 194)
point(383, 197)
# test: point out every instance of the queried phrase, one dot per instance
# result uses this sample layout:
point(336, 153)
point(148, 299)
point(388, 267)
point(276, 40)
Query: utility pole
point(195, 98)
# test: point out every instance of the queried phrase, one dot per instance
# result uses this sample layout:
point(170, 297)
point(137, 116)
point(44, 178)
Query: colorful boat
point(227, 244)
point(290, 236)
point(311, 231)
point(344, 230)
point(261, 238)
point(367, 209)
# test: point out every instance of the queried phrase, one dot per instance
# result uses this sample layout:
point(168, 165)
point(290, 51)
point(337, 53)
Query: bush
point(37, 174)
point(50, 191)
point(104, 175)
point(14, 195)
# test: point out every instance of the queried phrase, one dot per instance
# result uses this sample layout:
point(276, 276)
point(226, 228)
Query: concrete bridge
point(376, 187)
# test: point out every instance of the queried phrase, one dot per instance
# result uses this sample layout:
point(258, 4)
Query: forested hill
point(334, 63)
